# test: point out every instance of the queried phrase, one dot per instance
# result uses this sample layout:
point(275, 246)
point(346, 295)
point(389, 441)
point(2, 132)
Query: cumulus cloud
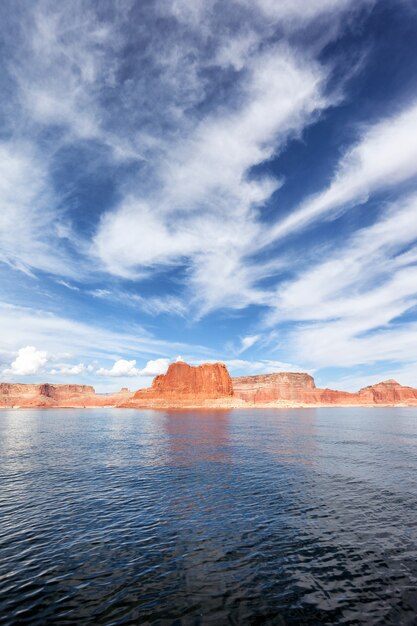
point(28, 361)
point(155, 367)
point(122, 367)
point(72, 370)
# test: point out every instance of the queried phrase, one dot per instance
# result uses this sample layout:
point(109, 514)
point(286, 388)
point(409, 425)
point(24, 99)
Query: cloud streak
point(385, 155)
point(348, 303)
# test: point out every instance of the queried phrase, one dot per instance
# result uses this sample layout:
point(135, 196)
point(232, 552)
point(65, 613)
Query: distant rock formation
point(187, 384)
point(388, 392)
point(209, 386)
point(300, 388)
point(297, 387)
point(46, 395)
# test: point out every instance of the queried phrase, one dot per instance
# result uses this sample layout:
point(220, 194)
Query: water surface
point(301, 517)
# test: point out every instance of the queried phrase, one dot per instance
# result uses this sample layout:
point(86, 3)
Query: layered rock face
point(209, 386)
point(388, 392)
point(296, 387)
point(185, 383)
point(46, 395)
point(300, 388)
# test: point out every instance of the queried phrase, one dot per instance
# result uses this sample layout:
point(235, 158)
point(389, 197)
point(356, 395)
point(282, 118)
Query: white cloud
point(350, 305)
point(404, 374)
point(205, 214)
point(68, 285)
point(152, 305)
point(242, 367)
point(200, 200)
point(120, 368)
point(299, 11)
point(32, 233)
point(68, 56)
point(123, 367)
point(247, 342)
point(155, 367)
point(60, 335)
point(71, 370)
point(29, 361)
point(385, 155)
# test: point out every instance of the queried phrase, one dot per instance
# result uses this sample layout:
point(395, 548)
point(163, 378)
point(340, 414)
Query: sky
point(206, 180)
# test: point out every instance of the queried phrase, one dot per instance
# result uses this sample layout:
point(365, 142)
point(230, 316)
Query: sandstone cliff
point(209, 386)
point(46, 395)
point(300, 388)
point(388, 392)
point(297, 387)
point(185, 384)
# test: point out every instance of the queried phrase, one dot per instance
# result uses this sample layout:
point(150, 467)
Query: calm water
point(241, 517)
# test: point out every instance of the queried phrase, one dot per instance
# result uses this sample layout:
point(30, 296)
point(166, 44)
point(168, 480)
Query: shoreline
point(199, 407)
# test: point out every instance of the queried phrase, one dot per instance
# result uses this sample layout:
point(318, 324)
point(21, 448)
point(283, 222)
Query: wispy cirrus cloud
point(63, 335)
point(384, 156)
point(351, 304)
point(205, 212)
point(33, 230)
point(196, 149)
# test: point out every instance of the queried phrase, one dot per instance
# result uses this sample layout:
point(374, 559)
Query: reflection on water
point(211, 517)
point(197, 437)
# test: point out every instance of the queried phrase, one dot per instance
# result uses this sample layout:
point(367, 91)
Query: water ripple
point(301, 517)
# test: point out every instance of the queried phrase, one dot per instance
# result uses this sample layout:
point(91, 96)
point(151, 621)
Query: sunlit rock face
point(300, 388)
point(388, 392)
point(46, 395)
point(296, 387)
point(188, 383)
point(208, 386)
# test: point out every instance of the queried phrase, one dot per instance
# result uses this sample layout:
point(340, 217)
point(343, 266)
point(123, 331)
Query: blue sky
point(216, 181)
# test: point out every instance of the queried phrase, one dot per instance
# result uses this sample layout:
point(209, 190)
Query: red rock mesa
point(188, 384)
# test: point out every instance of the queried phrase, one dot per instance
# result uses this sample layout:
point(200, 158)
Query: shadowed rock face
point(185, 382)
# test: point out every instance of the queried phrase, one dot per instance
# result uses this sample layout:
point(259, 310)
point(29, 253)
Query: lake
point(301, 517)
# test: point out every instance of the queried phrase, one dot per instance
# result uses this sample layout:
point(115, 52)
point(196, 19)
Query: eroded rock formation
point(209, 386)
point(186, 384)
point(297, 387)
point(46, 395)
point(388, 392)
point(300, 388)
